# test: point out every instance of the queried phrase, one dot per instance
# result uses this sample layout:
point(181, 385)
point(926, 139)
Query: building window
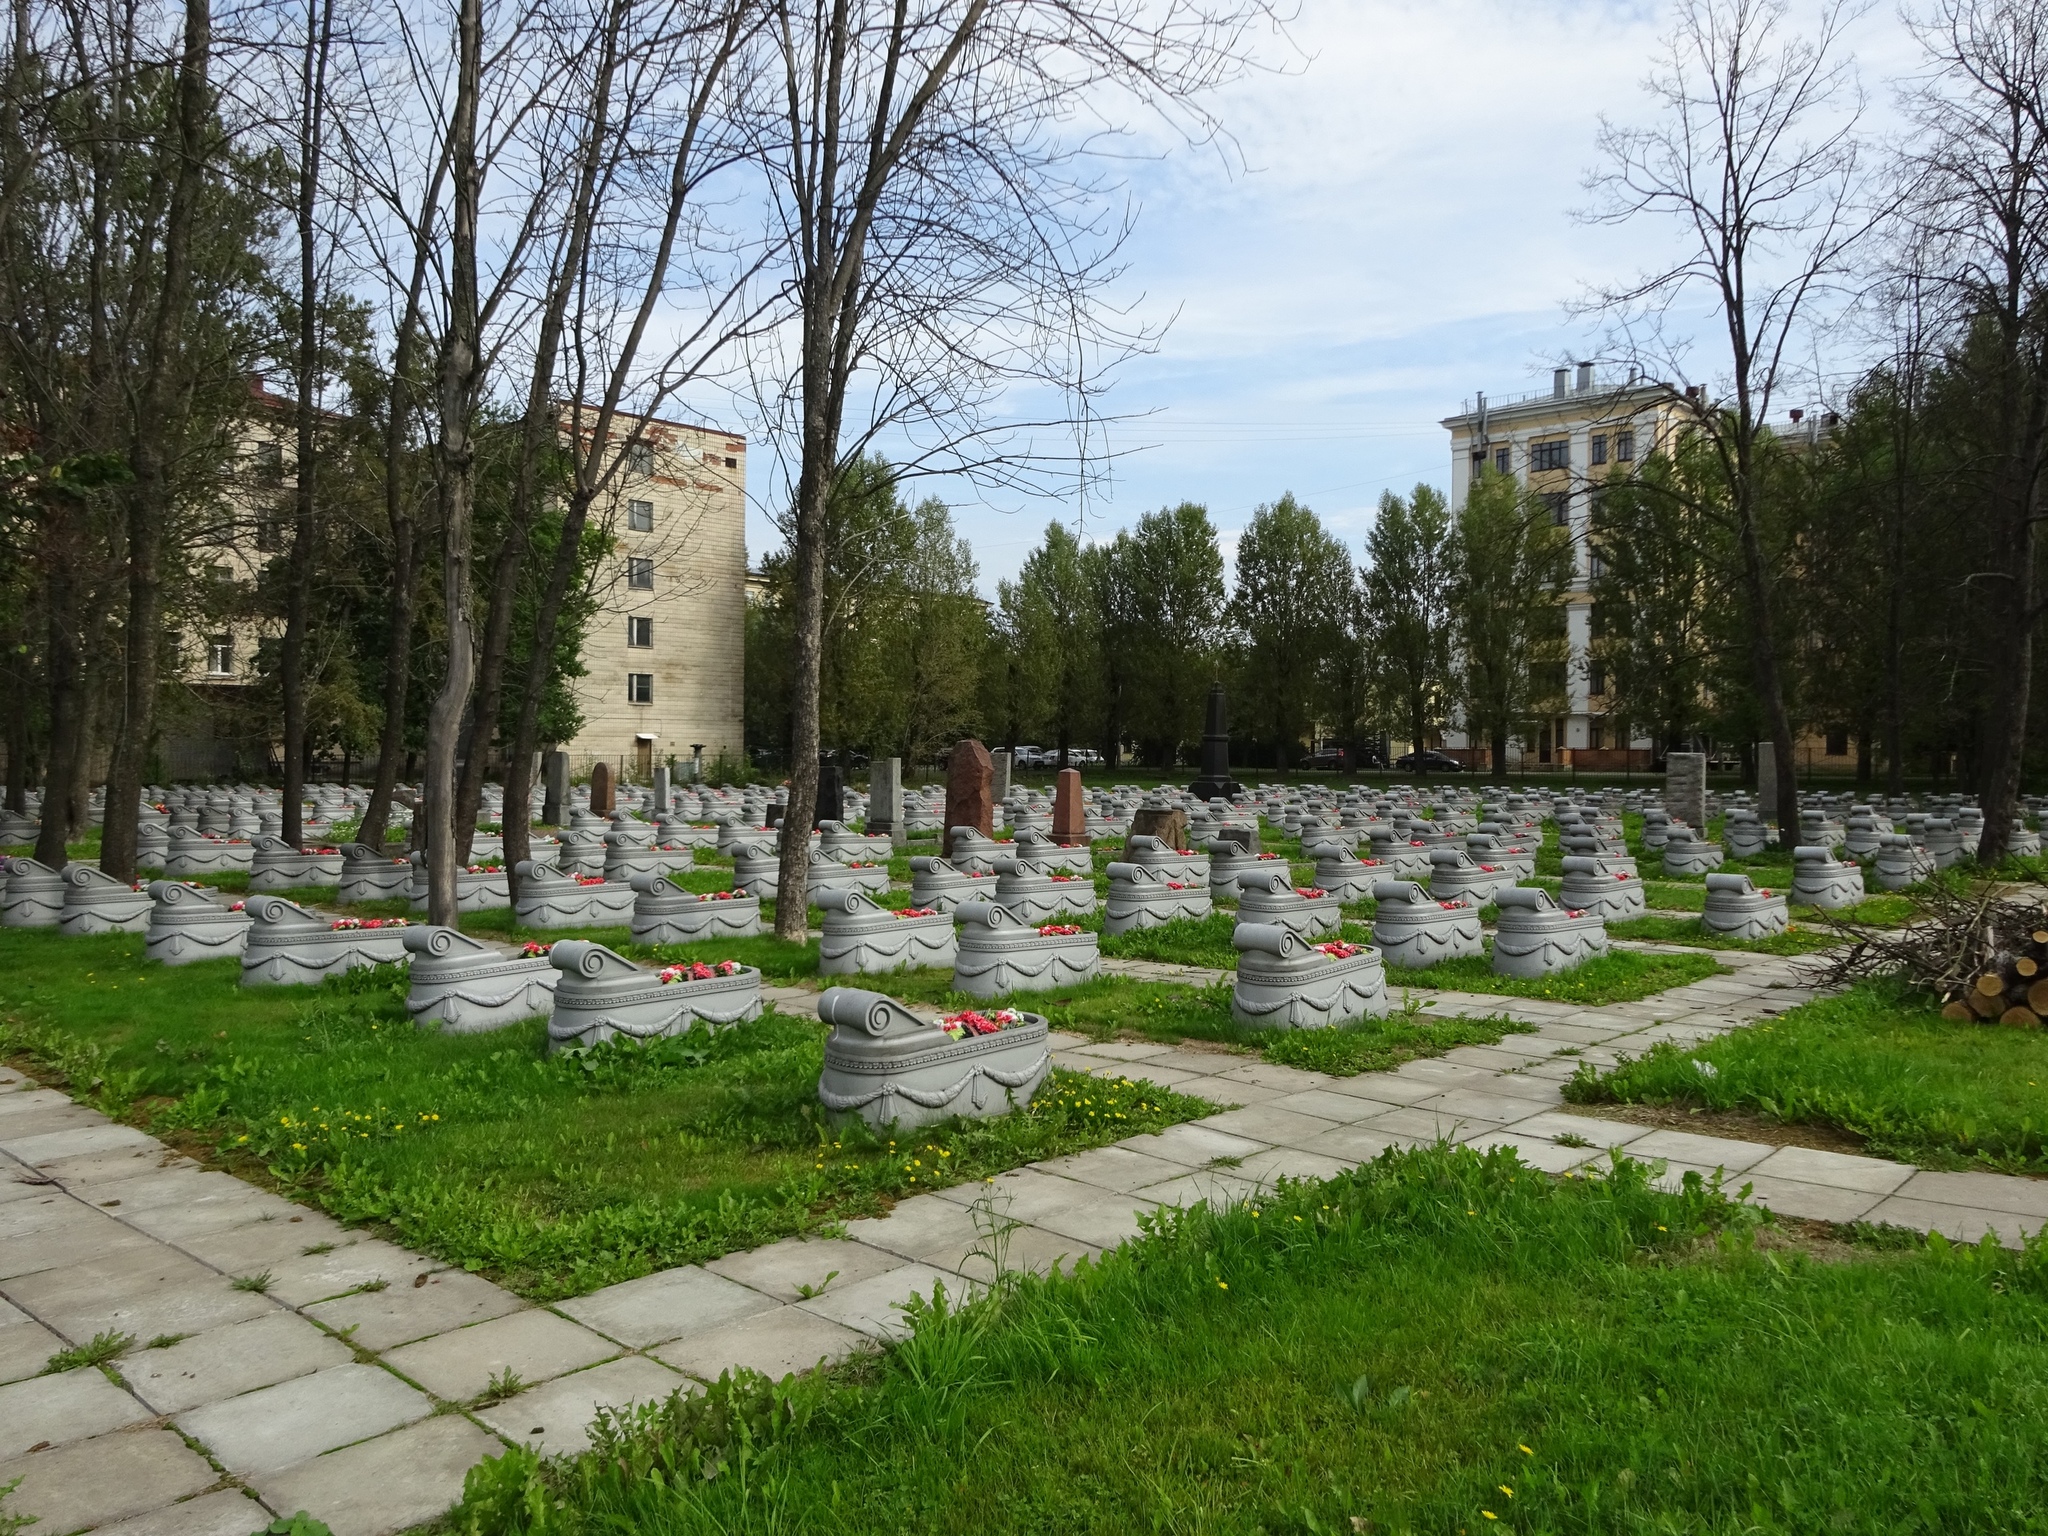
point(1624, 445)
point(1552, 455)
point(1560, 504)
point(1596, 564)
point(1501, 461)
point(1599, 451)
point(269, 532)
point(270, 460)
point(1838, 743)
point(640, 573)
point(640, 459)
point(220, 656)
point(640, 516)
point(1596, 678)
point(1594, 734)
point(639, 632)
point(639, 687)
point(731, 462)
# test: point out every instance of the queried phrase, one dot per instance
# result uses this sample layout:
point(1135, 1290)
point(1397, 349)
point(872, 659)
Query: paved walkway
point(355, 1384)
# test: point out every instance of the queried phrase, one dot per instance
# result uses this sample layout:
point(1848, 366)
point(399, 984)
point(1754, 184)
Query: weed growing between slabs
point(1878, 1062)
point(1442, 1341)
point(557, 1175)
point(1619, 976)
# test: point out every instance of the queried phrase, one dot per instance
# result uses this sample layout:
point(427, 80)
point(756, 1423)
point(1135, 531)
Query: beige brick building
point(666, 652)
point(664, 656)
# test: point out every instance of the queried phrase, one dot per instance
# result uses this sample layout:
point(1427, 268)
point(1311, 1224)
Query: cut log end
point(1959, 1012)
point(2023, 1018)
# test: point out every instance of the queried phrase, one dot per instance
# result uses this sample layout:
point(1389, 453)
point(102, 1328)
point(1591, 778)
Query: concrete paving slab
point(1958, 1222)
point(277, 1427)
point(1353, 1144)
point(427, 1305)
point(1023, 1250)
point(1554, 1123)
point(1428, 1126)
point(46, 1210)
point(777, 1343)
point(384, 1485)
point(210, 1213)
point(1101, 1219)
point(229, 1512)
point(30, 1101)
point(1022, 1194)
point(87, 1172)
point(259, 1245)
point(67, 1242)
point(667, 1305)
point(1219, 1189)
point(45, 1147)
point(1116, 1168)
point(1980, 1191)
point(145, 1291)
point(1700, 1151)
point(1322, 1104)
point(1817, 1202)
point(1476, 1105)
point(534, 1345)
point(96, 1482)
point(25, 1348)
point(783, 1269)
point(55, 1410)
point(1535, 1152)
point(1268, 1168)
point(1159, 1077)
point(1806, 1165)
point(555, 1417)
point(1192, 1145)
point(874, 1306)
point(1266, 1074)
point(351, 1263)
point(225, 1362)
point(1391, 1089)
point(1122, 1050)
point(1264, 1123)
point(152, 1186)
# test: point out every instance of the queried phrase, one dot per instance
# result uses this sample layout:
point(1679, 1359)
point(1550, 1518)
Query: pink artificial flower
point(1310, 892)
point(1338, 950)
point(1057, 930)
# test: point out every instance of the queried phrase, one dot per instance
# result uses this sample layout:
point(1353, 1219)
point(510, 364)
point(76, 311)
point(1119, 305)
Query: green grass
point(1436, 1338)
point(1798, 938)
point(1877, 1062)
point(1619, 976)
point(557, 1174)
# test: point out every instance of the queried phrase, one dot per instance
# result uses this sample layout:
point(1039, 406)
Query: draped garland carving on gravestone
point(999, 954)
point(465, 987)
point(1537, 937)
point(664, 913)
point(1143, 897)
point(289, 946)
point(861, 937)
point(1737, 909)
point(98, 903)
point(189, 923)
point(1287, 982)
point(1414, 929)
point(1273, 897)
point(34, 896)
point(896, 1069)
point(601, 995)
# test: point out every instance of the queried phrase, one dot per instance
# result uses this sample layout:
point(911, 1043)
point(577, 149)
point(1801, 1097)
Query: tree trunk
point(458, 388)
point(1763, 655)
point(299, 577)
point(159, 422)
point(792, 901)
point(1499, 751)
point(68, 708)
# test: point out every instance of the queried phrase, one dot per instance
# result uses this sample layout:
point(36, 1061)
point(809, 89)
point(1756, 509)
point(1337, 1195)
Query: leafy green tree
point(1051, 615)
point(1293, 596)
point(1408, 581)
point(1174, 575)
point(1512, 565)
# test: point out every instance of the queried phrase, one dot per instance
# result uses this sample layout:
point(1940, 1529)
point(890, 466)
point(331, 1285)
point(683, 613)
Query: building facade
point(663, 656)
point(1563, 444)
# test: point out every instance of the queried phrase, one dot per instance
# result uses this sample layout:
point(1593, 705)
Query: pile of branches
point(1980, 948)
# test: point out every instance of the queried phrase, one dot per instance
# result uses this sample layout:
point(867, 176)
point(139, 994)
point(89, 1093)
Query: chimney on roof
point(1797, 417)
point(256, 386)
point(1557, 378)
point(1585, 376)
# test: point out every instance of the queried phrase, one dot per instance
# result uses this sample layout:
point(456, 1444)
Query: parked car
point(1028, 757)
point(1083, 757)
point(1326, 760)
point(1431, 761)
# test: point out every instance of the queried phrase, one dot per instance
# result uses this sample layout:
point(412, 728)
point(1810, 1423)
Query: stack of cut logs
point(2011, 989)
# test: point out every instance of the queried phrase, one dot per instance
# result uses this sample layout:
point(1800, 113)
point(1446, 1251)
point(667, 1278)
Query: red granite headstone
point(970, 798)
point(1069, 820)
point(601, 789)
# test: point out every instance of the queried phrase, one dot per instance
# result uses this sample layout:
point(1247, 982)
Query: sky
point(1400, 233)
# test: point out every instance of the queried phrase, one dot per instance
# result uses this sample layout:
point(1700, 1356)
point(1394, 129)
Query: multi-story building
point(663, 657)
point(1563, 443)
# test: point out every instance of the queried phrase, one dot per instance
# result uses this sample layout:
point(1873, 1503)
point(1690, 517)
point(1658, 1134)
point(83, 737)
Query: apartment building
point(1563, 443)
point(663, 657)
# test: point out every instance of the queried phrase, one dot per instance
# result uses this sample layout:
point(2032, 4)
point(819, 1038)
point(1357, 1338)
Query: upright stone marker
point(1767, 782)
point(885, 800)
point(1069, 816)
point(970, 780)
point(1685, 789)
point(554, 805)
point(662, 803)
point(601, 788)
point(999, 782)
point(1167, 823)
point(1216, 782)
point(831, 793)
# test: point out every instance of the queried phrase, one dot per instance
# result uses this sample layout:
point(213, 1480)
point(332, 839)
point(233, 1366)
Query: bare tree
point(1755, 158)
point(1979, 211)
point(945, 244)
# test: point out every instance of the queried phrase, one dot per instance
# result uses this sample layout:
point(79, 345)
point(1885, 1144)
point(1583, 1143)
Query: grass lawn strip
point(1619, 976)
point(1798, 938)
point(1442, 1341)
point(555, 1175)
point(1877, 1062)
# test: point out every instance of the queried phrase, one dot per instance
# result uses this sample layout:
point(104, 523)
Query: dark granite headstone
point(554, 805)
point(831, 793)
point(970, 776)
point(1215, 782)
point(601, 789)
point(1167, 823)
